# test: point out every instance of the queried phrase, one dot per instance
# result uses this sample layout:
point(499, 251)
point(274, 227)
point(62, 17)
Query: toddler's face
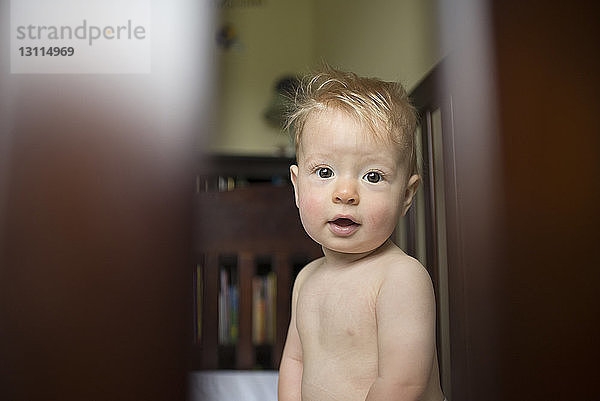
point(350, 189)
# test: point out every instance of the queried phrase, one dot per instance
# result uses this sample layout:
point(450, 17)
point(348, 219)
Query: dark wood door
point(96, 214)
point(547, 63)
point(521, 167)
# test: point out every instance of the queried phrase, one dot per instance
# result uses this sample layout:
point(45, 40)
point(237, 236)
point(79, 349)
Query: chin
point(355, 244)
point(350, 248)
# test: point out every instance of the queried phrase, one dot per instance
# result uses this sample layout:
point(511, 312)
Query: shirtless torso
point(336, 320)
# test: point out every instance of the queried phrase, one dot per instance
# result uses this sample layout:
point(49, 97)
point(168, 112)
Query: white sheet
point(233, 385)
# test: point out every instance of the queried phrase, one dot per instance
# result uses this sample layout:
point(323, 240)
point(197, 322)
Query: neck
point(340, 259)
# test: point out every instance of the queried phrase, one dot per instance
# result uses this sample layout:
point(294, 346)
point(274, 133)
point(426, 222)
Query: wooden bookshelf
point(246, 223)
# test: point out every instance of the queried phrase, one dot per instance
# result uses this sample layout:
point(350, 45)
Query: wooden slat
point(210, 313)
point(431, 218)
point(283, 270)
point(258, 219)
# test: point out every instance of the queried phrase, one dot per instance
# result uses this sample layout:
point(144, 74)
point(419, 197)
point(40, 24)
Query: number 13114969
point(46, 51)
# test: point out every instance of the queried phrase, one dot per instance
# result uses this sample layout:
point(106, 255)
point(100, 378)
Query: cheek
point(311, 210)
point(384, 214)
point(309, 204)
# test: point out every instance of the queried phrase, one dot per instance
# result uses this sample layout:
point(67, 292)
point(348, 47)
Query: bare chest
point(335, 312)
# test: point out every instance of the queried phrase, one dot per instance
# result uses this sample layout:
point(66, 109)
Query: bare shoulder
point(306, 272)
point(405, 275)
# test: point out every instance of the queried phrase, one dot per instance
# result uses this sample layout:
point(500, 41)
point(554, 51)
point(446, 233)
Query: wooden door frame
point(428, 96)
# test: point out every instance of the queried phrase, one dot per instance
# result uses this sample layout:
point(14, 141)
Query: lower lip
point(343, 231)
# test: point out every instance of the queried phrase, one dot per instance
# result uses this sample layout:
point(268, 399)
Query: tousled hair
point(383, 106)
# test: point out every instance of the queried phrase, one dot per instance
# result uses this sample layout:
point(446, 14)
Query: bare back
point(336, 320)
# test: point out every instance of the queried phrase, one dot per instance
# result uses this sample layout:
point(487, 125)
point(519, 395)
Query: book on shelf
point(219, 183)
point(234, 310)
point(228, 308)
point(222, 306)
point(224, 183)
point(264, 296)
point(258, 311)
point(263, 309)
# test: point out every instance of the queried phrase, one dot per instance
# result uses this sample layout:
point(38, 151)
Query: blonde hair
point(383, 106)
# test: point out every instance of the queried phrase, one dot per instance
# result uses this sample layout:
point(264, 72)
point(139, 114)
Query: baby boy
point(363, 315)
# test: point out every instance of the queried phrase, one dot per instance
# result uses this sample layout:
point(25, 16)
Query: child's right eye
point(325, 172)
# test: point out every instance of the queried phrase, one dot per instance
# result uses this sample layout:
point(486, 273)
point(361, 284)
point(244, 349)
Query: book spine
point(234, 315)
point(271, 307)
point(224, 307)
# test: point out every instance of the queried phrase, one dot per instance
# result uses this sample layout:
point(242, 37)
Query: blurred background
point(148, 237)
point(261, 42)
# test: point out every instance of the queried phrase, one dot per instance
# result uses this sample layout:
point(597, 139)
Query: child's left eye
point(373, 177)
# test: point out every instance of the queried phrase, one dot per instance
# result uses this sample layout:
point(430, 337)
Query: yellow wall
point(274, 39)
point(393, 40)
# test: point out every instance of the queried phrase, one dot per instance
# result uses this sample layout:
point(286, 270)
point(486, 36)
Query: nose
point(346, 193)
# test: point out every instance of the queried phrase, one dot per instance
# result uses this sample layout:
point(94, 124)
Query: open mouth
point(343, 226)
point(343, 222)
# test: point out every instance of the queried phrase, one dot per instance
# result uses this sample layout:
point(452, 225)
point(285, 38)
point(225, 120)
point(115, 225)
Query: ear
point(294, 177)
point(409, 193)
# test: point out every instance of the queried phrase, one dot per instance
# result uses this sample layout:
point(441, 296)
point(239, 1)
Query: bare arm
point(405, 313)
point(290, 370)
